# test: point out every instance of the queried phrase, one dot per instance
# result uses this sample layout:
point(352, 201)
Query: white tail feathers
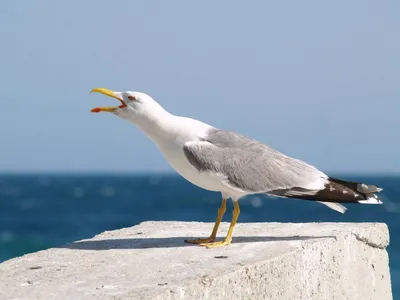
point(372, 199)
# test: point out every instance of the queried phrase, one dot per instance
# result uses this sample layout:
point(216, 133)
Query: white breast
point(178, 161)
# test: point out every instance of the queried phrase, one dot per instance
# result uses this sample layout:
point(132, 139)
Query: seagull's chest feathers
point(170, 135)
point(176, 158)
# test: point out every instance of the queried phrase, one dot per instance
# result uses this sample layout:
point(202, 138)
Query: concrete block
point(265, 261)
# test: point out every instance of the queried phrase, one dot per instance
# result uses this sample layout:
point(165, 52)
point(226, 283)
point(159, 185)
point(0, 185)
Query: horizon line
point(168, 173)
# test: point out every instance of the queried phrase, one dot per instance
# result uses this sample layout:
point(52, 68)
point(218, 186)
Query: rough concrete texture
point(265, 261)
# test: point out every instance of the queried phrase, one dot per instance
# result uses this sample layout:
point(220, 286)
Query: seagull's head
point(133, 105)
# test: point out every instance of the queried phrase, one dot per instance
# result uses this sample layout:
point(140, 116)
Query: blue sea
point(42, 211)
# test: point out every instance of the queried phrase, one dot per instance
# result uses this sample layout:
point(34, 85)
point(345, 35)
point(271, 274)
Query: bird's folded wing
point(250, 165)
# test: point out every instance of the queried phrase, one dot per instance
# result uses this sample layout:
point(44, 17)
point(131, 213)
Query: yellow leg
point(228, 239)
point(213, 235)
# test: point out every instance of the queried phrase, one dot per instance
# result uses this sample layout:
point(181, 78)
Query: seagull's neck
point(155, 124)
point(163, 127)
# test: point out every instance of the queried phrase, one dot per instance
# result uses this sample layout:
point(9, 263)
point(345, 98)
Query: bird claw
point(216, 244)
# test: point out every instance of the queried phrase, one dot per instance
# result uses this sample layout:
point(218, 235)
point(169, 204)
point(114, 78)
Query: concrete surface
point(266, 261)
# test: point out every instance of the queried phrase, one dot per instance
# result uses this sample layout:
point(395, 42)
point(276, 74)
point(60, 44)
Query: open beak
point(110, 94)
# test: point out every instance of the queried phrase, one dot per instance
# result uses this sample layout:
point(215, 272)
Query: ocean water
point(42, 211)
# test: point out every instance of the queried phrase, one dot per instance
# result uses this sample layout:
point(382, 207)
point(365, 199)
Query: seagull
point(230, 163)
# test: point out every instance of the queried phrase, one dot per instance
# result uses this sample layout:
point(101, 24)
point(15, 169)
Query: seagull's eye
point(131, 98)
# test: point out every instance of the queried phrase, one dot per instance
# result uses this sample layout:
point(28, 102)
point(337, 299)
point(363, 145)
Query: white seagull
point(230, 163)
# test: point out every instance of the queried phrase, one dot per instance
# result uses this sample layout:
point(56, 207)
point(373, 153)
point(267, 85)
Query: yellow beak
point(109, 93)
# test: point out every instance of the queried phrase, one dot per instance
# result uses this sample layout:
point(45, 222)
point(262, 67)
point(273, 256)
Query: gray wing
point(250, 165)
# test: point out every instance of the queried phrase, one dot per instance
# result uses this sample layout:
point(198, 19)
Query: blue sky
point(316, 80)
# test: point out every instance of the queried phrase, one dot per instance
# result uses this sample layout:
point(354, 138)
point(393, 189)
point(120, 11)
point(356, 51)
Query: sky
point(316, 80)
